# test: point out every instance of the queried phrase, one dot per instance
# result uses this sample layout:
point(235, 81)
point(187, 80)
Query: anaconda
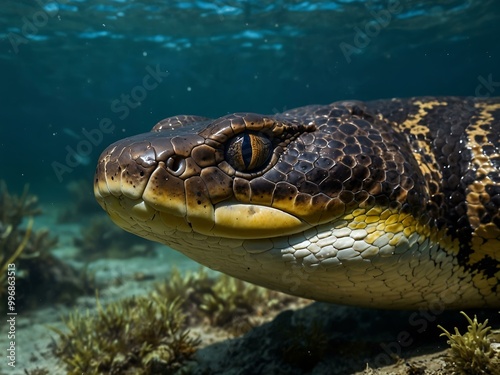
point(387, 203)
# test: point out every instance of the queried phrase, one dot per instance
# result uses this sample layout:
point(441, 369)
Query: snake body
point(387, 203)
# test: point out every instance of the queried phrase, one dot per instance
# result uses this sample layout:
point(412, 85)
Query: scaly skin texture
point(389, 203)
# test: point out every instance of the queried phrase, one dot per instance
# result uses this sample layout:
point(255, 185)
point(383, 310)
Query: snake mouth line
point(229, 219)
point(146, 197)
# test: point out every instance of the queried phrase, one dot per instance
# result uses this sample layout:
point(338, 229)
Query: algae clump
point(149, 335)
point(226, 302)
point(40, 277)
point(472, 352)
point(138, 335)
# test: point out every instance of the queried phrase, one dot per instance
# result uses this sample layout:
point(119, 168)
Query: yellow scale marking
point(486, 237)
point(379, 221)
point(423, 146)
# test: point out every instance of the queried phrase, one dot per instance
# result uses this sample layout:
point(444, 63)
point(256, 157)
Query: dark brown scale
point(274, 175)
point(295, 178)
point(489, 150)
point(316, 175)
point(354, 183)
point(285, 191)
point(331, 187)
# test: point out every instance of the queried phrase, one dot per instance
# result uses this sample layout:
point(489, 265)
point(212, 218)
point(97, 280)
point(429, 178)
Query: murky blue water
point(78, 75)
point(71, 66)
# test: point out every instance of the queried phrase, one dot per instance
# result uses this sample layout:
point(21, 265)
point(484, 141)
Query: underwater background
point(68, 64)
point(78, 75)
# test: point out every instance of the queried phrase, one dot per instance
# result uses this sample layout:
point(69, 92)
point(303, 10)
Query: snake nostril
point(176, 165)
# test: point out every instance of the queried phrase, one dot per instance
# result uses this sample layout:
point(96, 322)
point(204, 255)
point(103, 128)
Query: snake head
point(191, 173)
point(251, 176)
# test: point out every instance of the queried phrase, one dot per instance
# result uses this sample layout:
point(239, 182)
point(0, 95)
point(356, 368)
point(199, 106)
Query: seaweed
point(472, 352)
point(138, 335)
point(8, 263)
point(25, 253)
point(101, 238)
point(225, 302)
point(230, 298)
point(13, 240)
point(15, 208)
point(149, 335)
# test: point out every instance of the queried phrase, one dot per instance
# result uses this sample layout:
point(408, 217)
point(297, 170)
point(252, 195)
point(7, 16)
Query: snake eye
point(247, 151)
